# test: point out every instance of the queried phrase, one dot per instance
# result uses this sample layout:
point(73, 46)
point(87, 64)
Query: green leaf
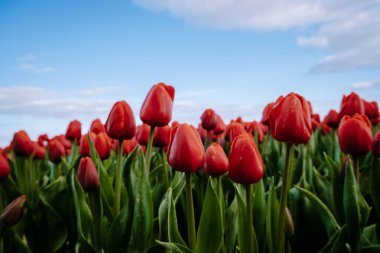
point(231, 226)
point(272, 218)
point(120, 233)
point(176, 248)
point(142, 227)
point(210, 230)
point(336, 243)
point(173, 233)
point(259, 211)
point(243, 239)
point(374, 181)
point(329, 221)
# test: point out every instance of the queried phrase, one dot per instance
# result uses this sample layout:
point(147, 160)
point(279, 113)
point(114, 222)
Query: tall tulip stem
point(190, 213)
point(248, 189)
point(286, 181)
point(165, 167)
point(119, 172)
point(149, 147)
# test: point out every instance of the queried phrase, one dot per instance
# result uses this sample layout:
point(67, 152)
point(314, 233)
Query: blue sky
point(65, 59)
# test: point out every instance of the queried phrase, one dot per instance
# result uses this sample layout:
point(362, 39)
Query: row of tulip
point(289, 183)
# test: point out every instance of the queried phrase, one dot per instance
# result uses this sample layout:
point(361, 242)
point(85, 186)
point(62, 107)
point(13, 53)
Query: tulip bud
point(87, 174)
point(142, 134)
point(22, 145)
point(220, 126)
point(84, 148)
point(4, 167)
point(290, 119)
point(351, 105)
point(332, 119)
point(74, 131)
point(216, 161)
point(38, 151)
point(376, 144)
point(120, 123)
point(246, 165)
point(371, 109)
point(355, 135)
point(161, 136)
point(209, 119)
point(13, 212)
point(234, 129)
point(97, 126)
point(102, 145)
point(157, 106)
point(186, 152)
point(56, 151)
point(266, 114)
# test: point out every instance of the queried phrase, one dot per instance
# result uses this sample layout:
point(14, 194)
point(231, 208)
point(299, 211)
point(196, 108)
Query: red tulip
point(202, 133)
point(97, 126)
point(266, 113)
point(142, 134)
point(332, 119)
point(62, 138)
point(43, 140)
point(234, 129)
point(56, 151)
point(38, 151)
point(256, 128)
point(351, 104)
point(209, 119)
point(84, 148)
point(120, 123)
point(12, 212)
point(315, 121)
point(22, 145)
point(325, 128)
point(74, 131)
point(216, 161)
point(4, 167)
point(246, 165)
point(376, 144)
point(186, 152)
point(102, 145)
point(161, 136)
point(157, 106)
point(220, 126)
point(87, 174)
point(129, 145)
point(175, 124)
point(355, 136)
point(371, 109)
point(290, 119)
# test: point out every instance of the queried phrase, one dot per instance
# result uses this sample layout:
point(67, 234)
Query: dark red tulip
point(4, 167)
point(186, 152)
point(62, 138)
point(209, 119)
point(266, 114)
point(371, 109)
point(142, 134)
point(129, 145)
point(22, 145)
point(239, 120)
point(38, 151)
point(157, 106)
point(74, 131)
point(120, 123)
point(161, 136)
point(351, 104)
point(376, 144)
point(310, 107)
point(220, 126)
point(56, 151)
point(355, 135)
point(315, 121)
point(256, 128)
point(102, 145)
point(12, 212)
point(84, 148)
point(87, 174)
point(290, 119)
point(325, 128)
point(233, 130)
point(43, 140)
point(246, 165)
point(216, 161)
point(97, 126)
point(175, 124)
point(332, 119)
point(202, 133)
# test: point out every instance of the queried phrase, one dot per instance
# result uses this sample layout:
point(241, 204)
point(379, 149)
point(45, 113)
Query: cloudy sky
point(66, 59)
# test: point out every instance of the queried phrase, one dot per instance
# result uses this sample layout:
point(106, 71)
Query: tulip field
point(291, 182)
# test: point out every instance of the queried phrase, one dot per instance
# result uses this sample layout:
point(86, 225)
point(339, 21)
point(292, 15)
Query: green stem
point(357, 168)
point(74, 148)
point(119, 172)
point(190, 213)
point(284, 193)
point(165, 167)
point(96, 225)
point(248, 195)
point(149, 148)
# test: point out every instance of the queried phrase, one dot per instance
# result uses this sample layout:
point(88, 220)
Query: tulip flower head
point(97, 126)
point(245, 162)
point(216, 161)
point(161, 136)
point(74, 131)
point(332, 119)
point(87, 174)
point(266, 113)
point(371, 109)
point(22, 145)
point(120, 124)
point(142, 134)
point(4, 167)
point(220, 125)
point(351, 105)
point(56, 151)
point(13, 211)
point(84, 148)
point(290, 119)
point(158, 105)
point(209, 119)
point(355, 135)
point(102, 145)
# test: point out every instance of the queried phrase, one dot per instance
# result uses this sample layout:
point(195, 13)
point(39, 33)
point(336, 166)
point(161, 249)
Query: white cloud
point(366, 84)
point(347, 29)
point(98, 91)
point(29, 62)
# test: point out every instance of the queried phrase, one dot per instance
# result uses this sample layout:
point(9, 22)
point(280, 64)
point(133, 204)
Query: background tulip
point(209, 119)
point(84, 148)
point(266, 113)
point(56, 151)
point(332, 119)
point(220, 125)
point(216, 161)
point(233, 130)
point(4, 167)
point(351, 105)
point(371, 109)
point(376, 144)
point(74, 131)
point(161, 136)
point(22, 145)
point(97, 126)
point(120, 124)
point(142, 134)
point(87, 174)
point(102, 145)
